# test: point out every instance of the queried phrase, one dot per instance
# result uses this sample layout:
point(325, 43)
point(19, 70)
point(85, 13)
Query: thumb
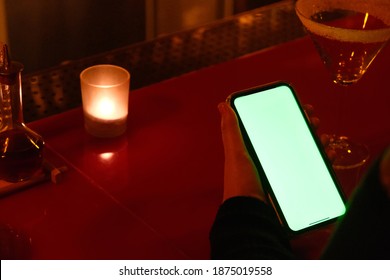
point(231, 133)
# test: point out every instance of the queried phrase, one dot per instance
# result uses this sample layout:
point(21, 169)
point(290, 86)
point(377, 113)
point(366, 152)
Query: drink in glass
point(348, 34)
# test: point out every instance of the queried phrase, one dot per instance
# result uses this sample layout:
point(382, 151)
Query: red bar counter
point(153, 193)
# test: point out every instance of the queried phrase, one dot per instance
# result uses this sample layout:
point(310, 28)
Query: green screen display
point(297, 174)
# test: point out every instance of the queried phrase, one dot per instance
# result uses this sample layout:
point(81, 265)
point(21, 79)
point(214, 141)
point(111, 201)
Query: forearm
point(247, 228)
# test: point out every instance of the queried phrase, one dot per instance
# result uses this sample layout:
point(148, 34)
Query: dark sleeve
point(364, 231)
point(247, 228)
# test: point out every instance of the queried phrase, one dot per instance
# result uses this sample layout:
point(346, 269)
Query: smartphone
point(293, 167)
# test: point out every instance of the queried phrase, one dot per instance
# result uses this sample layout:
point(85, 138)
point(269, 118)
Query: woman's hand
point(241, 177)
point(324, 138)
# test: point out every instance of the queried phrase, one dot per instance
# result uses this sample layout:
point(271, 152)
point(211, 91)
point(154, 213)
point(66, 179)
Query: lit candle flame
point(106, 108)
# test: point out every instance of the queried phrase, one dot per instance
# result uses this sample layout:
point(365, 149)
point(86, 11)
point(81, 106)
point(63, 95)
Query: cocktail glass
point(348, 35)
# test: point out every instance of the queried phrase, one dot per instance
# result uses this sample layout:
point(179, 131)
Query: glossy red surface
point(153, 193)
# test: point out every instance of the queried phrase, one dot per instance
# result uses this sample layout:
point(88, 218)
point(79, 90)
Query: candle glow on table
point(105, 94)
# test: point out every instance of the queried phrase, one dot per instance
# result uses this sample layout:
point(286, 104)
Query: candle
point(105, 95)
point(105, 107)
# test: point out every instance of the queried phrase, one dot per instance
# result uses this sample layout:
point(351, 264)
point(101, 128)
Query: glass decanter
point(21, 149)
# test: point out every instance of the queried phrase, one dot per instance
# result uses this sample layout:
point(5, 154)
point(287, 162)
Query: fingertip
point(325, 139)
point(308, 108)
point(315, 122)
point(226, 111)
point(222, 107)
point(331, 153)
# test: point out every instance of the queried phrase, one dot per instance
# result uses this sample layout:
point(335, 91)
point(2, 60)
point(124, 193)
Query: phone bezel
point(266, 185)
